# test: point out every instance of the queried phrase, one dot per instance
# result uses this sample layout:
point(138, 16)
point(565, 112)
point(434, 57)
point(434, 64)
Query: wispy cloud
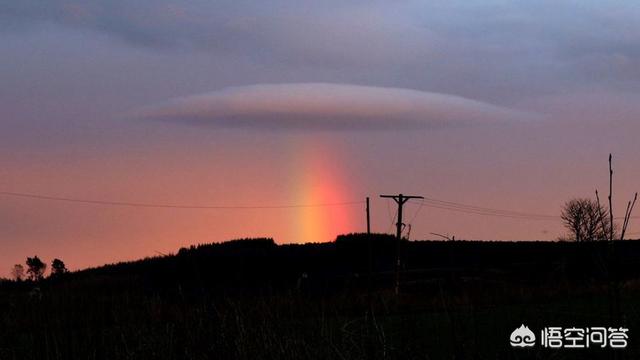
point(489, 49)
point(329, 107)
point(238, 27)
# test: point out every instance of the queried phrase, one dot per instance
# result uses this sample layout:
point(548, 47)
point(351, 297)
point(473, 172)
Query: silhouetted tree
point(586, 220)
point(58, 268)
point(35, 268)
point(17, 272)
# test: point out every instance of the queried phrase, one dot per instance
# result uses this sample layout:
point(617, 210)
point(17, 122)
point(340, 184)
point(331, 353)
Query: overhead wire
point(169, 206)
point(487, 209)
point(477, 210)
point(393, 219)
point(421, 203)
point(428, 202)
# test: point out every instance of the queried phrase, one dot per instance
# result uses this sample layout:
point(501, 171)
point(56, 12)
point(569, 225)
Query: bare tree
point(586, 220)
point(627, 213)
point(17, 272)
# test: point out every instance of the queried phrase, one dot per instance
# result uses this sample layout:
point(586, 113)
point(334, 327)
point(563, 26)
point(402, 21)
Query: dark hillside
point(253, 299)
point(261, 265)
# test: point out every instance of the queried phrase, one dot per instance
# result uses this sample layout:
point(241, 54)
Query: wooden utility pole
point(369, 313)
point(400, 199)
point(368, 218)
point(369, 246)
point(369, 256)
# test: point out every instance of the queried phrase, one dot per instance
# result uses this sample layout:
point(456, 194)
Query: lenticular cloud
point(328, 107)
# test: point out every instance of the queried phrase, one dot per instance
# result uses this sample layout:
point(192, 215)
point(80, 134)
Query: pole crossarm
point(401, 198)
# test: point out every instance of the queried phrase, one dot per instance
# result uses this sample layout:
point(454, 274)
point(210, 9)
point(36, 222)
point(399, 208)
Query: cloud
point(328, 107)
point(492, 50)
point(278, 30)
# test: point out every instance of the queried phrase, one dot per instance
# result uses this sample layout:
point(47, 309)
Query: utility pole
point(368, 218)
point(369, 257)
point(400, 199)
point(369, 313)
point(369, 246)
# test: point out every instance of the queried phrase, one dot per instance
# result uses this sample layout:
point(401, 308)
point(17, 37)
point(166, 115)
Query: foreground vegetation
point(256, 300)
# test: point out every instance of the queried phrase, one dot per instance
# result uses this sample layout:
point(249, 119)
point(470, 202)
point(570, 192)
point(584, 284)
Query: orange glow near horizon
point(321, 181)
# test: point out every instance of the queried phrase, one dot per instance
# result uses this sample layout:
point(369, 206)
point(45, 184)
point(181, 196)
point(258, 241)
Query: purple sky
point(509, 105)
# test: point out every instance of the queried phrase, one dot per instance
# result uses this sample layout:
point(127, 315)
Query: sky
point(261, 107)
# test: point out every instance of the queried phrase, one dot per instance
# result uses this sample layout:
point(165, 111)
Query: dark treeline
point(358, 261)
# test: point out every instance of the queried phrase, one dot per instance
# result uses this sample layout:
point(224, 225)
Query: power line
point(392, 219)
point(415, 215)
point(491, 214)
point(490, 210)
point(428, 202)
point(168, 206)
point(501, 213)
point(477, 210)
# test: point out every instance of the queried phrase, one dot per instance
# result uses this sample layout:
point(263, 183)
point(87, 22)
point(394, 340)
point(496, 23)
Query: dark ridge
point(356, 261)
point(254, 299)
